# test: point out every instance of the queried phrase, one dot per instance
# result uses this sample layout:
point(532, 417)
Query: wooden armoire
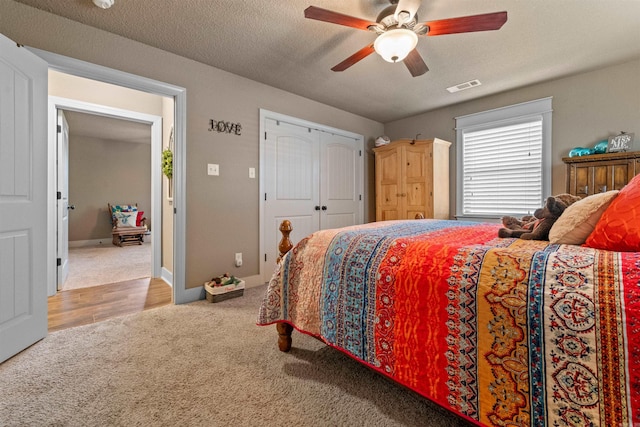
point(412, 178)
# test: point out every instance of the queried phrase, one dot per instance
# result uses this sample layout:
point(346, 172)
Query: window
point(503, 161)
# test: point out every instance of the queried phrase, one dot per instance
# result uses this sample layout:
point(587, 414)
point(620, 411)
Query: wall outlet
point(213, 169)
point(239, 259)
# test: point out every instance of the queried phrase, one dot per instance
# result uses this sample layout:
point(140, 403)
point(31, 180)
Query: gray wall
point(102, 172)
point(587, 108)
point(213, 233)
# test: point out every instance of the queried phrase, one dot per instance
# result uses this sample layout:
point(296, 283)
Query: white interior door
point(312, 176)
point(23, 198)
point(291, 186)
point(62, 203)
point(340, 181)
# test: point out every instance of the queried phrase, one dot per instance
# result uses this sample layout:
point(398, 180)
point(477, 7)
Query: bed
point(503, 332)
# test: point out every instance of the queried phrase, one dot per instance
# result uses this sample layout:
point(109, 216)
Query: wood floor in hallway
point(77, 307)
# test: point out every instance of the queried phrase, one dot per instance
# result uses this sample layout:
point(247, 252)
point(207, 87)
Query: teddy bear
point(513, 223)
point(544, 218)
point(528, 221)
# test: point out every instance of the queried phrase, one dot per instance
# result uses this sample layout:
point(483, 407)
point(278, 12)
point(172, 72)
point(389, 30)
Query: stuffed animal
point(513, 223)
point(545, 218)
point(567, 199)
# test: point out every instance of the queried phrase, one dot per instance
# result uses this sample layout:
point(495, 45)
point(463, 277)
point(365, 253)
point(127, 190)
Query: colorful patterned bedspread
point(505, 332)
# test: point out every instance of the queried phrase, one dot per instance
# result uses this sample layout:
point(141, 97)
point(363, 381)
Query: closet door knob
point(324, 208)
point(317, 208)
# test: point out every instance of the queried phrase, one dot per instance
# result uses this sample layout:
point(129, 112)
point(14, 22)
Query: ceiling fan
point(398, 29)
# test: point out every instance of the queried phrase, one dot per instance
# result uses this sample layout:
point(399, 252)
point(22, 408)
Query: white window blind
point(503, 169)
point(503, 161)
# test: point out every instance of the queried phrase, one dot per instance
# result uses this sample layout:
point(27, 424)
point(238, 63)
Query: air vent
point(463, 86)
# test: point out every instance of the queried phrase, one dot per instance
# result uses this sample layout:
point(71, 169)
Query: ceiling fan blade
point(325, 15)
point(415, 63)
point(467, 24)
point(410, 6)
point(361, 54)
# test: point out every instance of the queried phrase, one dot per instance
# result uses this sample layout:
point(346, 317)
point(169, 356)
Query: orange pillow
point(619, 226)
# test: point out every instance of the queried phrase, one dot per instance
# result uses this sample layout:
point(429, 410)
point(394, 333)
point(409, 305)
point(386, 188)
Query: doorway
point(107, 159)
point(155, 122)
point(99, 73)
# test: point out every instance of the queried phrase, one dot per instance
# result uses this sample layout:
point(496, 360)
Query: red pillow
point(139, 218)
point(619, 226)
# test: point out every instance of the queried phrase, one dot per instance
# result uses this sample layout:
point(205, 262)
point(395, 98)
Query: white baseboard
point(198, 293)
point(98, 242)
point(191, 295)
point(85, 243)
point(253, 281)
point(167, 276)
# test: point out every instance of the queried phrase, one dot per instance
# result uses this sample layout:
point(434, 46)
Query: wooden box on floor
point(222, 293)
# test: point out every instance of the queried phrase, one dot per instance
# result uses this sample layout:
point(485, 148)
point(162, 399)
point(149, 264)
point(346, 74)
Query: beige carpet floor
point(107, 263)
point(199, 364)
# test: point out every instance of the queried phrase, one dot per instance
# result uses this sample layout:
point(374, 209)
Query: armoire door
point(417, 171)
point(389, 185)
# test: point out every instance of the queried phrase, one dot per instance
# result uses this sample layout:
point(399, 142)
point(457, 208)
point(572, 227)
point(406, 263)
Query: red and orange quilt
point(500, 331)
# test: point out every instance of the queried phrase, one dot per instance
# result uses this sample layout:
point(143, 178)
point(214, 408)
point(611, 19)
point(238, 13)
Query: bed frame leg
point(284, 336)
point(285, 244)
point(284, 329)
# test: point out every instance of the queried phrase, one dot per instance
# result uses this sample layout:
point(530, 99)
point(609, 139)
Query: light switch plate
point(213, 169)
point(252, 172)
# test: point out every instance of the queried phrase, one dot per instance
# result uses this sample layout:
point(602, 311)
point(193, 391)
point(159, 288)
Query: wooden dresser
point(598, 173)
point(412, 177)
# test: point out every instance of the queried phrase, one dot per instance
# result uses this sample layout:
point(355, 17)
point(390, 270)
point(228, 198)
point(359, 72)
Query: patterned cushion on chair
point(123, 208)
point(126, 219)
point(123, 215)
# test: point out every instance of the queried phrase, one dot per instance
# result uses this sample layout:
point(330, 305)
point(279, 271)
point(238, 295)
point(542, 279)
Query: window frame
point(540, 108)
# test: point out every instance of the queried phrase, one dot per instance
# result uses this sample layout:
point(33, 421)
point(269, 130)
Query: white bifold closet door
point(312, 178)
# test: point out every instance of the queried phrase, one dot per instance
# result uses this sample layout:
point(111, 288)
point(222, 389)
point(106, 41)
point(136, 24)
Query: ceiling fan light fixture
point(394, 45)
point(104, 4)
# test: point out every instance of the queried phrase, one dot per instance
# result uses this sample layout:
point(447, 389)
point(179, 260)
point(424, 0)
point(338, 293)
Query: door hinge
point(58, 262)
point(175, 211)
point(58, 128)
point(265, 257)
point(265, 136)
point(360, 151)
point(360, 197)
point(265, 197)
point(58, 195)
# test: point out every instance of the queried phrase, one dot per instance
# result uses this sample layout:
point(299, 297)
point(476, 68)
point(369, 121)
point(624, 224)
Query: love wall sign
point(221, 126)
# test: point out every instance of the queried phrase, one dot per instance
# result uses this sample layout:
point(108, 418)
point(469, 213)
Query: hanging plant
point(167, 163)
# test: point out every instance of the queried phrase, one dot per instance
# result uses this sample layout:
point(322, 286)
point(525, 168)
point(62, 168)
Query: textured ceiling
point(272, 42)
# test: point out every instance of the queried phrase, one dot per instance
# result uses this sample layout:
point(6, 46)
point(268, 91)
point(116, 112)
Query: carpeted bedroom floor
point(107, 263)
point(199, 364)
